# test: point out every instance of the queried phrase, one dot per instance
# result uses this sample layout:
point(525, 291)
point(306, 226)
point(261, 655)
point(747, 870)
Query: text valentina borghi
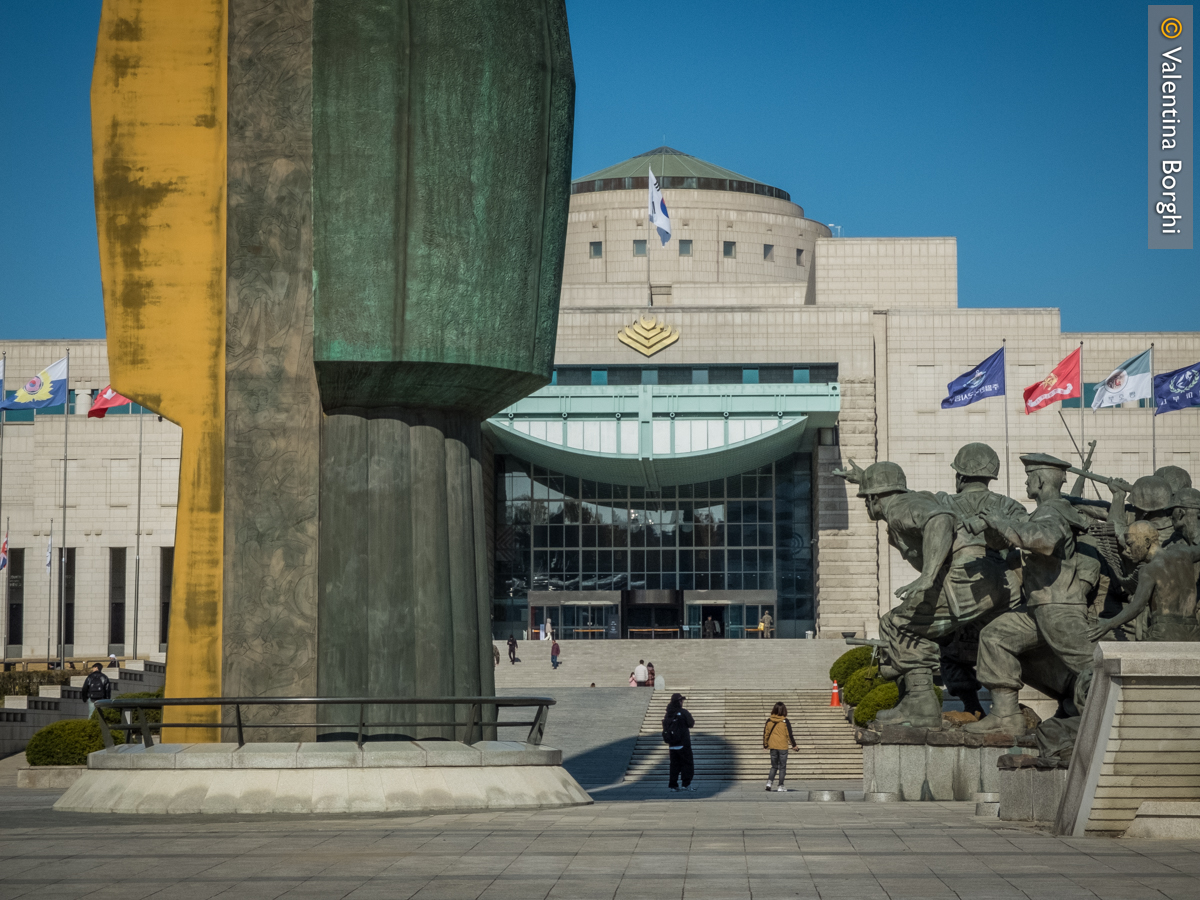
point(1167, 207)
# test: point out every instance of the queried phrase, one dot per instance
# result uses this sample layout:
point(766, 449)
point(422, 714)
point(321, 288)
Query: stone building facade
point(639, 495)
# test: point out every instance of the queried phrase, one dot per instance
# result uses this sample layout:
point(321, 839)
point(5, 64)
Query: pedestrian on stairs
point(677, 735)
point(640, 673)
point(512, 650)
point(96, 686)
point(778, 740)
point(554, 653)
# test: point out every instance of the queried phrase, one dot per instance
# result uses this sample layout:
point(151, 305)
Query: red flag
point(106, 400)
point(1062, 383)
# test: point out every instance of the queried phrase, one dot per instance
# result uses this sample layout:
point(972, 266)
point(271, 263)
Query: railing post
point(237, 715)
point(147, 740)
point(539, 727)
point(105, 734)
point(471, 715)
point(361, 722)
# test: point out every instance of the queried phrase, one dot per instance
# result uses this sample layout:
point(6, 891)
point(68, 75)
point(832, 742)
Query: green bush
point(113, 716)
point(860, 684)
point(26, 683)
point(849, 663)
point(885, 696)
point(67, 743)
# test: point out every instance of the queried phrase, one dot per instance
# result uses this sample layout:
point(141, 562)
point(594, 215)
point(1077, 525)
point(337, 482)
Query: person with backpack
point(778, 738)
point(96, 686)
point(676, 734)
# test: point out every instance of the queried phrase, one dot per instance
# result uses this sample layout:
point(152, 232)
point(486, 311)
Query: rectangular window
point(165, 573)
point(800, 376)
point(599, 376)
point(596, 249)
point(799, 257)
point(685, 248)
point(769, 252)
point(1089, 394)
point(724, 375)
point(675, 375)
point(775, 375)
point(116, 595)
point(730, 250)
point(749, 376)
point(625, 375)
point(699, 376)
point(639, 248)
point(574, 376)
point(65, 583)
point(16, 415)
point(649, 376)
point(16, 598)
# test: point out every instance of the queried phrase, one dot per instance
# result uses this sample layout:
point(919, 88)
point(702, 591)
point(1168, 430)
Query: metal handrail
point(537, 726)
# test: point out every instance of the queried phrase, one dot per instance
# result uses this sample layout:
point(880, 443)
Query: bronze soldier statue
point(1166, 584)
point(957, 585)
point(1150, 497)
point(1185, 515)
point(1055, 586)
point(1176, 477)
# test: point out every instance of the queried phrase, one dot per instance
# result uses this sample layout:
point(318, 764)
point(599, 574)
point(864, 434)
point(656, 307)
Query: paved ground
point(737, 843)
point(595, 728)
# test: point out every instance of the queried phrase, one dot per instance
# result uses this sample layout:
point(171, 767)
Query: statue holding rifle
point(961, 579)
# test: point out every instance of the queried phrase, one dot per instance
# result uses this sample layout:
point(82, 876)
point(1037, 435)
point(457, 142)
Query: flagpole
point(1082, 400)
point(1007, 455)
point(1153, 416)
point(4, 615)
point(4, 612)
point(49, 593)
point(62, 562)
point(137, 552)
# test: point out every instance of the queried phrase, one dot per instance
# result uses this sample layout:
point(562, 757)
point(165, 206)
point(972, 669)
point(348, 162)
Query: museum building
point(678, 467)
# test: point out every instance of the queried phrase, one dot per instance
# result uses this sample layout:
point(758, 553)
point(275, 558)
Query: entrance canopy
point(660, 435)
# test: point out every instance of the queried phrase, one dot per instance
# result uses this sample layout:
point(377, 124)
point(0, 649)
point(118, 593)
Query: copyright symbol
point(1171, 28)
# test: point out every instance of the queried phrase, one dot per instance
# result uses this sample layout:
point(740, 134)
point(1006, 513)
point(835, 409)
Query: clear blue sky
point(1018, 128)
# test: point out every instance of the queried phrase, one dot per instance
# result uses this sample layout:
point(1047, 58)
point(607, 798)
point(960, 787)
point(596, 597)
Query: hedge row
point(68, 742)
point(27, 683)
point(849, 663)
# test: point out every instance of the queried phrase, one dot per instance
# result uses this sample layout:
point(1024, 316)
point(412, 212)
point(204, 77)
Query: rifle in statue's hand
point(1077, 488)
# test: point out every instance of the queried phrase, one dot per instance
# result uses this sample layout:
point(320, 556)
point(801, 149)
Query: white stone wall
point(101, 503)
point(887, 272)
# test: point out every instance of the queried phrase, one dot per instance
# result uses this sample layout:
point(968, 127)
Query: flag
point(47, 388)
point(1129, 381)
point(658, 210)
point(4, 553)
point(106, 400)
point(1061, 384)
point(983, 381)
point(1177, 390)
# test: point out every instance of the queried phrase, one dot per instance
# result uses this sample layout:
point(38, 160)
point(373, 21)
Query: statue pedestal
point(1031, 788)
point(323, 777)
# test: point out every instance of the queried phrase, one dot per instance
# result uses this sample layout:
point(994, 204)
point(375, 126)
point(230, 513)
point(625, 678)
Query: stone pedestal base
point(914, 764)
point(1166, 820)
point(330, 777)
point(1031, 794)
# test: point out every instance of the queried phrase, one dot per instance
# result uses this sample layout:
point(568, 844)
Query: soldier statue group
point(1008, 597)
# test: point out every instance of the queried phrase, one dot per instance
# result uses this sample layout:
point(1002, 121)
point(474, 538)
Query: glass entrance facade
point(749, 532)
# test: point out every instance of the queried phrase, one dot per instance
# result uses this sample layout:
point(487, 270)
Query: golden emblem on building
point(647, 335)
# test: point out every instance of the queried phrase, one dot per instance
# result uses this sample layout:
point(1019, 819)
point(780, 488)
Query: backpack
point(673, 730)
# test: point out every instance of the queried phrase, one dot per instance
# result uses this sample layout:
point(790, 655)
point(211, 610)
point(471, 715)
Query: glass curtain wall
point(748, 532)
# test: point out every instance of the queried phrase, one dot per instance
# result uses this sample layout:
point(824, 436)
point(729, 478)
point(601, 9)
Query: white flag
point(1129, 381)
point(658, 210)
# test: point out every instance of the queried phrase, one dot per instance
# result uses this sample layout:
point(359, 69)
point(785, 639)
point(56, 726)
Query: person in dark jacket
point(554, 651)
point(512, 650)
point(96, 687)
point(677, 726)
point(778, 738)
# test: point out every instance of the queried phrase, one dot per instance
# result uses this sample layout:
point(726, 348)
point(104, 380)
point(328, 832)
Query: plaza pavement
point(723, 842)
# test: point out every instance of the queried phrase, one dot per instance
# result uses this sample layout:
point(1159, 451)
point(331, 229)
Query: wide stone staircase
point(727, 739)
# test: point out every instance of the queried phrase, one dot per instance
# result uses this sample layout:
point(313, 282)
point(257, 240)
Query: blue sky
point(1018, 128)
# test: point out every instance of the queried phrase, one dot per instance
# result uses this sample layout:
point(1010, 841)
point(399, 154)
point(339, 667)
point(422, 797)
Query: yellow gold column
point(159, 153)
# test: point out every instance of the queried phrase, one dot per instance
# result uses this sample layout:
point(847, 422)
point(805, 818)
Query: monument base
point(1031, 788)
point(326, 777)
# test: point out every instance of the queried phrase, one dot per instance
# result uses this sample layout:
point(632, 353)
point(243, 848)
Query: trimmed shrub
point(884, 696)
point(27, 683)
point(113, 716)
point(67, 743)
point(849, 663)
point(860, 684)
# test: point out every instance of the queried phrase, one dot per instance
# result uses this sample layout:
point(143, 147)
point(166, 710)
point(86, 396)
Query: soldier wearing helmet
point(1185, 515)
point(975, 550)
point(1176, 477)
point(940, 601)
point(1150, 497)
point(1055, 585)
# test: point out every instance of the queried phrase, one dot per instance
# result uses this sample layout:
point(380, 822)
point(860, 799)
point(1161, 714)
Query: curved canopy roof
point(675, 169)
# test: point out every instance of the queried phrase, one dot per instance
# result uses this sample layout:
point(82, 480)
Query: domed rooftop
point(675, 169)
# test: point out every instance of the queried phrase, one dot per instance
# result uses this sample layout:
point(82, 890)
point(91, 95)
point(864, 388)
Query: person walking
point(495, 656)
point(512, 650)
point(96, 686)
point(640, 674)
point(677, 734)
point(778, 738)
point(768, 625)
point(554, 653)
point(710, 628)
point(650, 674)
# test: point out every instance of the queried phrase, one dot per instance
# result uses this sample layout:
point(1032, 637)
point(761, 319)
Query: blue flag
point(47, 388)
point(983, 381)
point(1177, 390)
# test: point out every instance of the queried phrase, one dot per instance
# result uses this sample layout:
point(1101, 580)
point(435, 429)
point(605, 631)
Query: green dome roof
point(674, 169)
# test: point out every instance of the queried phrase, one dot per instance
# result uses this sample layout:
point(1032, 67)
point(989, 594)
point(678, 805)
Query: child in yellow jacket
point(778, 738)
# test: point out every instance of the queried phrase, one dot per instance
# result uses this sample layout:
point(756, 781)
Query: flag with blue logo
point(1177, 390)
point(658, 210)
point(1129, 381)
point(47, 388)
point(984, 381)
